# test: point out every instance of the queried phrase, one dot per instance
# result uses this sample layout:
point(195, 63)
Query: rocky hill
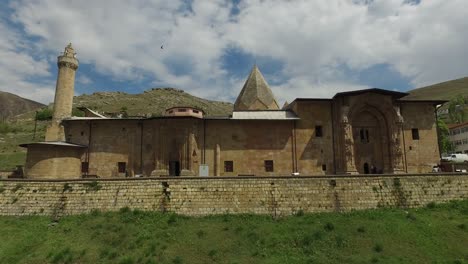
point(441, 91)
point(12, 105)
point(149, 103)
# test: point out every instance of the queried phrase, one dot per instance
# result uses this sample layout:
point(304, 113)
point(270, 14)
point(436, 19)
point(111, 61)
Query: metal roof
point(372, 90)
point(264, 115)
point(53, 143)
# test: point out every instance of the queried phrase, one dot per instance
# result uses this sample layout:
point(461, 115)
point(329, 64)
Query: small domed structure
point(184, 111)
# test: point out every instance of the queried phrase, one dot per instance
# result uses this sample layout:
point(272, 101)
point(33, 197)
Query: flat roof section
point(53, 143)
point(264, 115)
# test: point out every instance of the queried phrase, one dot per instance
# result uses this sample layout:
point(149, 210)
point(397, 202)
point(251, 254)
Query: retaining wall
point(276, 196)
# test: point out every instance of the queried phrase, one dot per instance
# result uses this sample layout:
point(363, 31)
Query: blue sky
point(303, 48)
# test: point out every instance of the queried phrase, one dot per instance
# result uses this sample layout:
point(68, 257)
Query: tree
point(44, 114)
point(445, 145)
point(456, 109)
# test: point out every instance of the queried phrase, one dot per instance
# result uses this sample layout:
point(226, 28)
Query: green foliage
point(6, 127)
point(445, 145)
point(67, 187)
point(76, 112)
point(17, 187)
point(329, 227)
point(8, 161)
point(92, 186)
point(133, 236)
point(44, 114)
point(378, 248)
point(456, 109)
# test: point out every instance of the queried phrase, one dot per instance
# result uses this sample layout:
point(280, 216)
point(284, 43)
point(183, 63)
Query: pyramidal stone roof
point(255, 95)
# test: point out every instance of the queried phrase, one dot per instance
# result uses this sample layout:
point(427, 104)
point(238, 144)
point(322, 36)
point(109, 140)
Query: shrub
point(361, 229)
point(44, 114)
point(201, 233)
point(124, 210)
point(8, 128)
point(172, 219)
point(431, 205)
point(300, 213)
point(67, 187)
point(378, 248)
point(177, 260)
point(126, 260)
point(212, 253)
point(17, 187)
point(329, 227)
point(93, 186)
point(411, 216)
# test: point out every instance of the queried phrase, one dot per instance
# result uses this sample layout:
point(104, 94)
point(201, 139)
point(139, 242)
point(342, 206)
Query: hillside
point(435, 234)
point(150, 103)
point(440, 91)
point(12, 105)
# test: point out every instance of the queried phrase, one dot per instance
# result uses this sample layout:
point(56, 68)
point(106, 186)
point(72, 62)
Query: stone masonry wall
point(276, 196)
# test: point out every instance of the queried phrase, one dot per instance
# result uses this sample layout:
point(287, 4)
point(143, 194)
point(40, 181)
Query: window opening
point(415, 133)
point(228, 166)
point(269, 166)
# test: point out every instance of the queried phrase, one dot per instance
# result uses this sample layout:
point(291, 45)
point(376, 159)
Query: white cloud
point(83, 79)
point(424, 42)
point(18, 66)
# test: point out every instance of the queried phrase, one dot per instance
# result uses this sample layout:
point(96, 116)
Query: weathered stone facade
point(369, 131)
point(276, 196)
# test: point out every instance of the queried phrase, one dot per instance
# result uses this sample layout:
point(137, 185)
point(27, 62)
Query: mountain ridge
point(12, 105)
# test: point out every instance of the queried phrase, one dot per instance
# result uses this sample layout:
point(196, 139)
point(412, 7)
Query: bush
point(177, 260)
point(378, 248)
point(329, 226)
point(44, 114)
point(9, 128)
point(201, 233)
point(361, 229)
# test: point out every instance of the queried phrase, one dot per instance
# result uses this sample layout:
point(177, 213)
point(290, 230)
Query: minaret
point(64, 91)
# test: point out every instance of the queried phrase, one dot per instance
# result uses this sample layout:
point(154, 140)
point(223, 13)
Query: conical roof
point(255, 95)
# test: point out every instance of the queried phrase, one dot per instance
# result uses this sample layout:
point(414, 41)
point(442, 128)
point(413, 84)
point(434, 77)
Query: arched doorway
point(370, 136)
point(366, 168)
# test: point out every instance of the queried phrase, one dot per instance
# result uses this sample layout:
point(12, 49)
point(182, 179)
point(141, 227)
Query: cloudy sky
point(304, 48)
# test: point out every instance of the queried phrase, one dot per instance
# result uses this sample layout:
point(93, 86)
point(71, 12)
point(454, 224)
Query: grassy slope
point(11, 154)
point(430, 235)
point(441, 91)
point(150, 102)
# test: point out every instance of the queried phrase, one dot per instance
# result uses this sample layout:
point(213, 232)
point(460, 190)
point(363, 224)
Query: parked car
point(456, 158)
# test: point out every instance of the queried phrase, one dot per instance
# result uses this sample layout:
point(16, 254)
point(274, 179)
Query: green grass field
point(11, 135)
point(435, 234)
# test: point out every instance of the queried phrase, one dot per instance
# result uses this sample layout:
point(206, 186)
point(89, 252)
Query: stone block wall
point(276, 196)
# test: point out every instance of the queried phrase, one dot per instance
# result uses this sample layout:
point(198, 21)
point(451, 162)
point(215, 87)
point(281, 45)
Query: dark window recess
point(84, 167)
point(196, 111)
point(324, 167)
point(228, 166)
point(82, 133)
point(269, 166)
point(415, 133)
point(122, 167)
point(364, 135)
point(318, 131)
point(182, 110)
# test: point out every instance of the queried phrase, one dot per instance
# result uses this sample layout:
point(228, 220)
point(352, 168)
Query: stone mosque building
point(357, 132)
